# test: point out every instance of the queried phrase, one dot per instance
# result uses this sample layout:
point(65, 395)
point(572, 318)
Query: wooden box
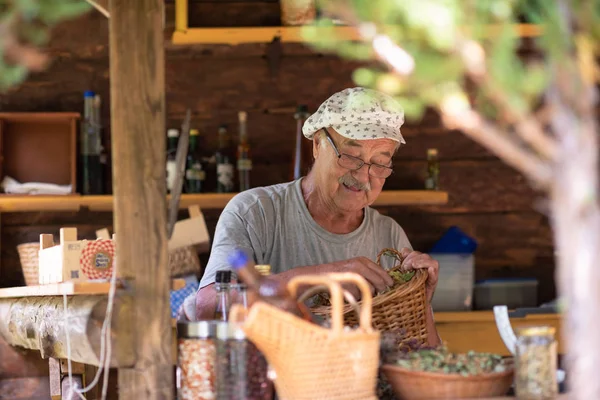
point(75, 260)
point(39, 147)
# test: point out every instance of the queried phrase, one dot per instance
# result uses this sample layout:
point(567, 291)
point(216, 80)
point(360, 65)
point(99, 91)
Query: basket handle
point(332, 282)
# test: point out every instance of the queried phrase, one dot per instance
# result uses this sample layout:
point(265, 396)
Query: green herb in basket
point(441, 360)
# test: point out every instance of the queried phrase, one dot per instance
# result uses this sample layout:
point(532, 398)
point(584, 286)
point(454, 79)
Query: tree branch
point(486, 134)
point(528, 128)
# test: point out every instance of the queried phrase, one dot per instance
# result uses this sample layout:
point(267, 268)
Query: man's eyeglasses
point(354, 163)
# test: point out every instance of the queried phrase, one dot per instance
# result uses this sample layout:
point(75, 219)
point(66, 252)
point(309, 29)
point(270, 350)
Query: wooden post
point(137, 88)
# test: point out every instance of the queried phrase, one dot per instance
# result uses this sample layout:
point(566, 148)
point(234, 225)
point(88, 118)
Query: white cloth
point(358, 114)
point(10, 185)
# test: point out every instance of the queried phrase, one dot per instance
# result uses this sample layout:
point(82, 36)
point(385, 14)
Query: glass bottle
point(432, 182)
point(244, 162)
point(194, 174)
point(536, 363)
point(232, 362)
point(222, 286)
point(303, 148)
point(224, 158)
point(172, 139)
point(90, 145)
point(265, 288)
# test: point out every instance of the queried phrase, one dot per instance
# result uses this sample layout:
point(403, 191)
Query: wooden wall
point(488, 200)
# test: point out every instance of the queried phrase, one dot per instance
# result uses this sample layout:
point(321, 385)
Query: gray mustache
point(352, 182)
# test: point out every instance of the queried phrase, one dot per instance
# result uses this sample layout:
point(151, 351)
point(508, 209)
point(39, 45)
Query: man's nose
point(362, 174)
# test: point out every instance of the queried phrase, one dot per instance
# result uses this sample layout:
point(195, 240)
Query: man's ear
point(317, 143)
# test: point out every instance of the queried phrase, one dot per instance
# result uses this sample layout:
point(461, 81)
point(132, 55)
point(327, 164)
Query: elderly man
point(322, 223)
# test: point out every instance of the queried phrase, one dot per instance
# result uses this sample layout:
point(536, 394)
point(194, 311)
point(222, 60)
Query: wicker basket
point(402, 308)
point(28, 254)
point(184, 261)
point(297, 12)
point(415, 385)
point(313, 362)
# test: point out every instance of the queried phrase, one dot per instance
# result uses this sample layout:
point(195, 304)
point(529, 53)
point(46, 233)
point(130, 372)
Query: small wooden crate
point(75, 260)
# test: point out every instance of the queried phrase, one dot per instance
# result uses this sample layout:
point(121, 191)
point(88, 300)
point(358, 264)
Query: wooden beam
point(137, 88)
point(38, 323)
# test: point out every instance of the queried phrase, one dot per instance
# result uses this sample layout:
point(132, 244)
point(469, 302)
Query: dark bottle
point(432, 182)
point(303, 149)
point(194, 173)
point(222, 286)
point(225, 158)
point(90, 146)
point(265, 288)
point(244, 163)
point(172, 139)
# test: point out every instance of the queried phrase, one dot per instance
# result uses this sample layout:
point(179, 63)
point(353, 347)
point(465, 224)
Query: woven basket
point(184, 261)
point(402, 308)
point(28, 254)
point(297, 12)
point(313, 362)
point(416, 385)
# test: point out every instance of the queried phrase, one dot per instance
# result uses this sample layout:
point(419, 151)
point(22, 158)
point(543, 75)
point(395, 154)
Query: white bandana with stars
point(359, 114)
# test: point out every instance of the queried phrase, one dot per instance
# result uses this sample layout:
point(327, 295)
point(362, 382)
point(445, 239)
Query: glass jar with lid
point(536, 363)
point(196, 360)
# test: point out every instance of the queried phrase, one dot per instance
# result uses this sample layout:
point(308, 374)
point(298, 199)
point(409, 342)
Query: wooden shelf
point(17, 203)
point(69, 288)
point(234, 36)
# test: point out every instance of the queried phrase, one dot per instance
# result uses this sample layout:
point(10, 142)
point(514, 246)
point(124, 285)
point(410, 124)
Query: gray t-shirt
point(273, 224)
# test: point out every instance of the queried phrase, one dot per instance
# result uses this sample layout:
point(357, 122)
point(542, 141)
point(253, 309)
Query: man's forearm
point(433, 338)
point(206, 302)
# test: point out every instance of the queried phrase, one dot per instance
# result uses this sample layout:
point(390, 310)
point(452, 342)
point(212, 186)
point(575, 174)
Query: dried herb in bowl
point(440, 360)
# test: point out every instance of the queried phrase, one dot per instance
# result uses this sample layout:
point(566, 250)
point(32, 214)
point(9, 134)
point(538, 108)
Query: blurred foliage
point(432, 32)
point(24, 28)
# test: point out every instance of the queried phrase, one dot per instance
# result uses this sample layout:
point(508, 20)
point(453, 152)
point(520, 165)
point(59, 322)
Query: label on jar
point(193, 174)
point(244, 165)
point(171, 172)
point(225, 174)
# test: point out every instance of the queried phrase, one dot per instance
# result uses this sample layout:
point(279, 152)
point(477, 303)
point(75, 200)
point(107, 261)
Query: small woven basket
point(297, 12)
point(311, 361)
point(29, 257)
point(402, 308)
point(184, 261)
point(417, 385)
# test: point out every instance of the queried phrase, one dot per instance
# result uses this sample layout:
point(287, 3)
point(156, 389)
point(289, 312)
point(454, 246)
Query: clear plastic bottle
point(222, 286)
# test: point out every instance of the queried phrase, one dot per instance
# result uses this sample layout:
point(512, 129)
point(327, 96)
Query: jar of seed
point(196, 360)
point(536, 363)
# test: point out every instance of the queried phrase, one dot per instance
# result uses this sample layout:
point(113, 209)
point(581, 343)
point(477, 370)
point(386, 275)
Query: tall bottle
point(244, 163)
point(194, 173)
point(90, 146)
point(224, 158)
point(172, 139)
point(222, 286)
point(303, 149)
point(432, 182)
point(264, 287)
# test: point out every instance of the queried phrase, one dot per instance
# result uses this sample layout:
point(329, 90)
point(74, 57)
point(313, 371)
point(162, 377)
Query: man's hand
point(376, 277)
point(418, 260)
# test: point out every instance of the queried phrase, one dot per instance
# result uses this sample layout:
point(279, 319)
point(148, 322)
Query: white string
point(105, 343)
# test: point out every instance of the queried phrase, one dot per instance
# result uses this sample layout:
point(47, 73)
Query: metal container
point(197, 359)
point(536, 363)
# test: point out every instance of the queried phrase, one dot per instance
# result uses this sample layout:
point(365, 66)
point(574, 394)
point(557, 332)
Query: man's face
point(350, 190)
